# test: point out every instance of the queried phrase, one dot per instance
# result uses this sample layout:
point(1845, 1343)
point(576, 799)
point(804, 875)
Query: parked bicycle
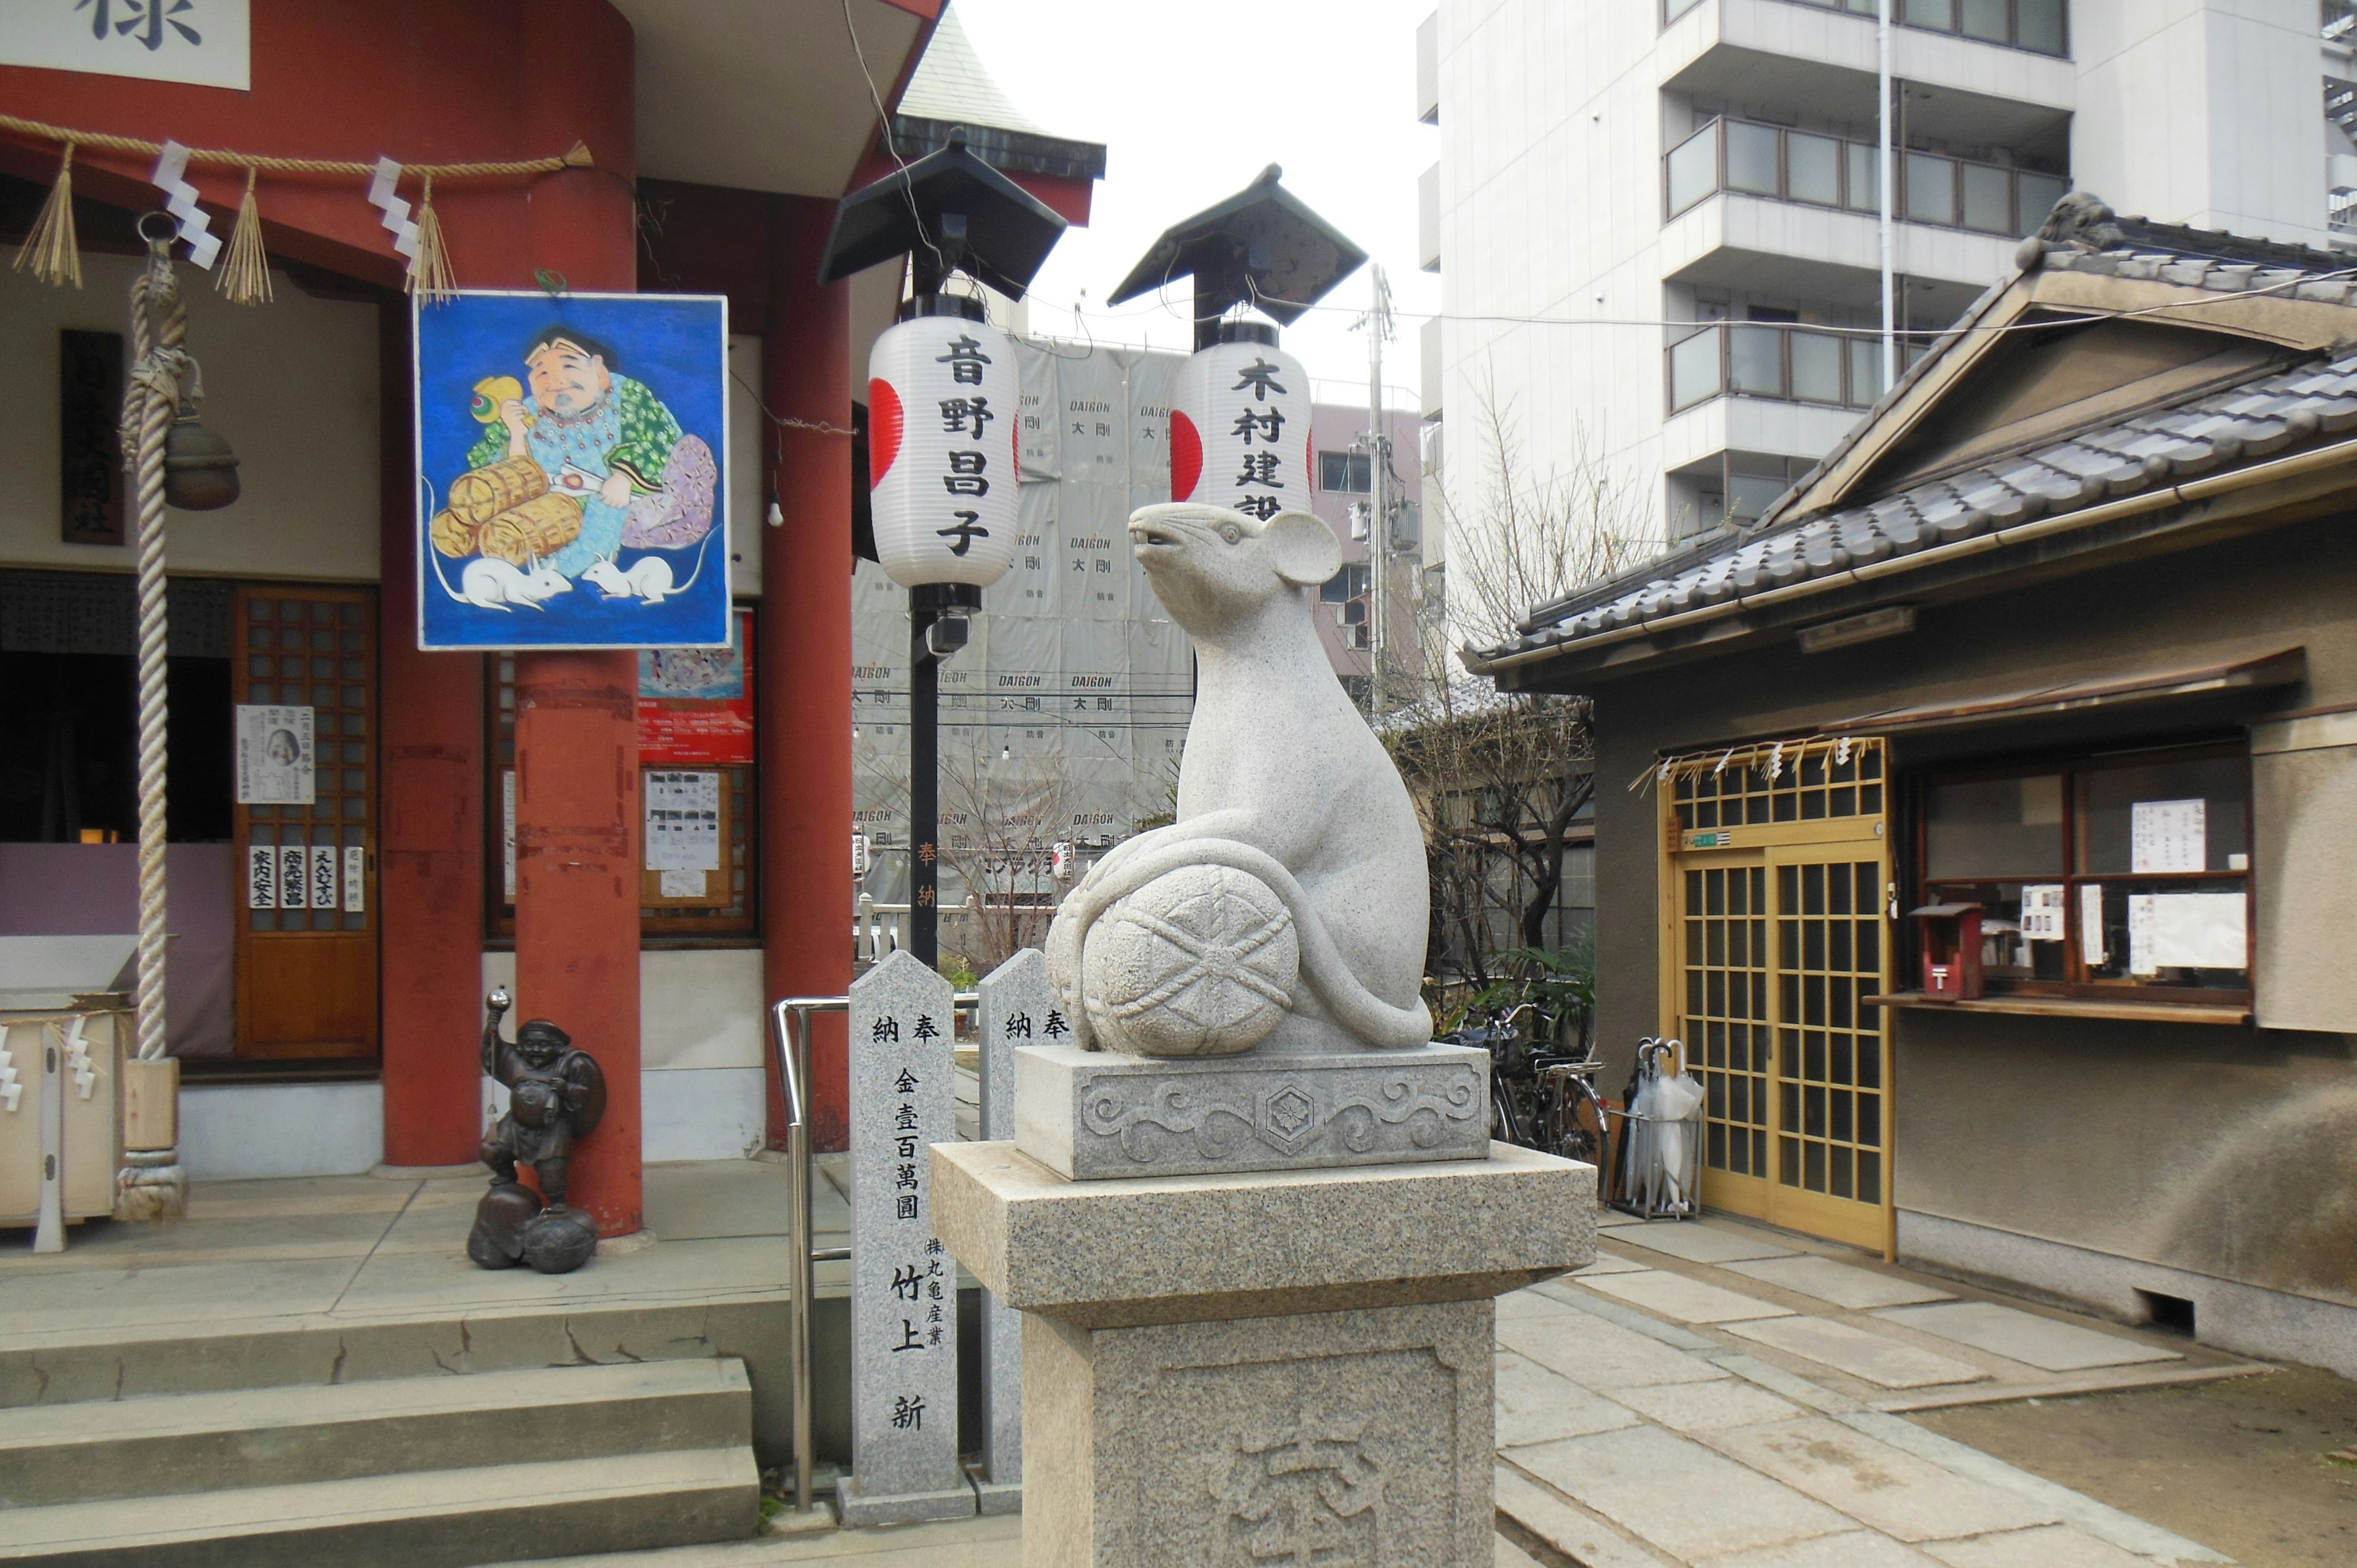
point(1542, 1095)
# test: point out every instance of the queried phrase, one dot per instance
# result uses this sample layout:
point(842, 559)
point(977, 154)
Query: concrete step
point(286, 1436)
point(428, 1519)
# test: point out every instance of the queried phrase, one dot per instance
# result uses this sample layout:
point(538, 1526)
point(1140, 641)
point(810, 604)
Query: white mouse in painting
point(647, 579)
point(494, 584)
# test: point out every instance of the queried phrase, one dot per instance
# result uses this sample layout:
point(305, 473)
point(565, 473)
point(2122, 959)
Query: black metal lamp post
point(944, 431)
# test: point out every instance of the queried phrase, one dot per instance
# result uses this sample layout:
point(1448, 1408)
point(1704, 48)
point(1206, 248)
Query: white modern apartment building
point(1646, 211)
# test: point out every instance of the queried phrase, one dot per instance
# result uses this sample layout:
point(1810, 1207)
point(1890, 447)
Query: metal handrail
point(792, 1015)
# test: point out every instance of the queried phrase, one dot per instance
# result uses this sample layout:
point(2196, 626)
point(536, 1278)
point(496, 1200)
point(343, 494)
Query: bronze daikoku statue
point(557, 1096)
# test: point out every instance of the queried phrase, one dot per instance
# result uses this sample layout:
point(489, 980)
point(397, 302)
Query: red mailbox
point(1951, 951)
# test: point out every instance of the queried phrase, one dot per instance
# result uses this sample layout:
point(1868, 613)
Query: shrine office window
point(2121, 878)
point(698, 876)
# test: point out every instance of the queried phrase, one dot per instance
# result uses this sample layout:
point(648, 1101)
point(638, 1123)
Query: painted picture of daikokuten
point(573, 471)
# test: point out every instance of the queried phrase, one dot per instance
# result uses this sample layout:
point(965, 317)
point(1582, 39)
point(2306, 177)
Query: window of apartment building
point(2023, 24)
point(1345, 473)
point(2122, 877)
point(695, 755)
point(1350, 583)
point(1819, 169)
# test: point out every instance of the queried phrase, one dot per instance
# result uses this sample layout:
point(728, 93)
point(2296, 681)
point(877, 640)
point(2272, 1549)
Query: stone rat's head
point(1212, 567)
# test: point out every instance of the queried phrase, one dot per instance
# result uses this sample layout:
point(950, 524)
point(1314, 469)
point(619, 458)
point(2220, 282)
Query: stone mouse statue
point(1282, 780)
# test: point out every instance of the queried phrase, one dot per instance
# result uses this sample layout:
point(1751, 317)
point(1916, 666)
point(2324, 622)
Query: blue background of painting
point(677, 345)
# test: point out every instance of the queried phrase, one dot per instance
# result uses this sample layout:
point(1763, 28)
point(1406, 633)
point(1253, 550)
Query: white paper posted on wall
point(2168, 836)
point(682, 821)
point(2043, 912)
point(2187, 930)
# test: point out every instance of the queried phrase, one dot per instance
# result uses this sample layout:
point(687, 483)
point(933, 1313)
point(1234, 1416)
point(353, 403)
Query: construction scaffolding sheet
point(1062, 718)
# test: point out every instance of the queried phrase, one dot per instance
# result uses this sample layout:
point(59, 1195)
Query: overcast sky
point(1193, 101)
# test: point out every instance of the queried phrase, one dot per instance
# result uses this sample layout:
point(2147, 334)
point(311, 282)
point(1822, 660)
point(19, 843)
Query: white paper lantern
point(1240, 425)
point(943, 438)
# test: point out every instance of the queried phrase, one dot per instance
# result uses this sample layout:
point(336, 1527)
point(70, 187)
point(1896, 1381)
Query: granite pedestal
point(1275, 1366)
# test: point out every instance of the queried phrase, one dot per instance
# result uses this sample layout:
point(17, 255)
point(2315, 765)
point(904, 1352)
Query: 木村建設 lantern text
point(1240, 425)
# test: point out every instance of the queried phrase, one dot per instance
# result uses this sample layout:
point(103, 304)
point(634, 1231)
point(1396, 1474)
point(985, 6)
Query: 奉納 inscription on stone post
point(1018, 1007)
point(904, 1412)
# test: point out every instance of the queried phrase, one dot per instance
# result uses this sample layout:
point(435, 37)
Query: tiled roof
point(2273, 411)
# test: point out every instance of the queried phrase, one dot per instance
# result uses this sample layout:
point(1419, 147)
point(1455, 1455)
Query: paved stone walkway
point(1707, 1394)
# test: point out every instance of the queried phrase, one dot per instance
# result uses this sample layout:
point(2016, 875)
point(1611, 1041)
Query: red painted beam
point(804, 689)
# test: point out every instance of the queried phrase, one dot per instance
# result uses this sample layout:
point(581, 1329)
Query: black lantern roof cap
point(949, 211)
point(1262, 246)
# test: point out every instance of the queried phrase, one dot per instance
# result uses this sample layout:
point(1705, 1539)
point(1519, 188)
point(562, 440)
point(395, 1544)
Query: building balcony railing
point(1805, 166)
point(1792, 364)
point(2039, 26)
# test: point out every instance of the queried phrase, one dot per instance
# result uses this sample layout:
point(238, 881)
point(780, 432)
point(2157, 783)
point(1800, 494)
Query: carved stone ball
point(1200, 961)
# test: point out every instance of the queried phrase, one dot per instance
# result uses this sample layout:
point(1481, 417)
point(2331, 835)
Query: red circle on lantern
point(1186, 456)
point(883, 430)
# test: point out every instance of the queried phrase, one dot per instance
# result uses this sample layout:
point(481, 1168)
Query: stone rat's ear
point(1302, 548)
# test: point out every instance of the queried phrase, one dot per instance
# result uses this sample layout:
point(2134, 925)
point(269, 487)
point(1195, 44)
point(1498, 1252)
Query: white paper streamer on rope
point(396, 211)
point(11, 1090)
point(1776, 763)
point(181, 201)
point(78, 1062)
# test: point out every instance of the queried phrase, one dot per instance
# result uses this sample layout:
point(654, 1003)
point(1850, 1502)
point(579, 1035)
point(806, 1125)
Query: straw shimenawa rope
point(50, 250)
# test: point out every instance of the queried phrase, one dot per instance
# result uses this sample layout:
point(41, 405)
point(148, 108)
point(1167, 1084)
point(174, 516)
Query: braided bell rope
point(160, 326)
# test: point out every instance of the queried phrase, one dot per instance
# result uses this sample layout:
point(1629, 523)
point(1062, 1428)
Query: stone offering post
point(1015, 1009)
point(904, 1404)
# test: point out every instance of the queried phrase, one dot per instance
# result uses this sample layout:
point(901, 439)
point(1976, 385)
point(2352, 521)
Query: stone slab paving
point(1538, 1405)
point(1729, 1461)
point(1896, 1493)
point(1700, 1243)
point(1688, 1300)
point(1871, 1357)
point(2052, 1546)
point(1607, 1263)
point(2045, 1343)
point(1843, 1285)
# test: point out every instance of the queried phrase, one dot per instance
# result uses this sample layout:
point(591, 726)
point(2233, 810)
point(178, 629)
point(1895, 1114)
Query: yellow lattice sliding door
point(1777, 947)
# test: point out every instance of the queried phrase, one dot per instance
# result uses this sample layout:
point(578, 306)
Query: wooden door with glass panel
point(1780, 953)
point(306, 946)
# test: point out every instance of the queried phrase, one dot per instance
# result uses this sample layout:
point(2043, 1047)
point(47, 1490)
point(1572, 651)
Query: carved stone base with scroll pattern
point(1093, 1115)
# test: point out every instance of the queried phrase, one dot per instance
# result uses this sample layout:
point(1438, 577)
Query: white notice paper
point(2168, 836)
point(294, 877)
point(261, 877)
point(2140, 924)
point(683, 884)
point(2091, 927)
point(2042, 912)
point(273, 756)
point(507, 806)
point(684, 821)
point(2200, 930)
point(324, 860)
point(355, 880)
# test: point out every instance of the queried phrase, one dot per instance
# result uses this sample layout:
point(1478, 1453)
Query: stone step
point(249, 1437)
point(430, 1519)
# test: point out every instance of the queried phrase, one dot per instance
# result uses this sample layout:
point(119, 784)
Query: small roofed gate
point(1779, 920)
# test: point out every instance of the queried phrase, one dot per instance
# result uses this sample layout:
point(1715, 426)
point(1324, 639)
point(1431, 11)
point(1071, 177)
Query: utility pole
point(1887, 159)
point(1378, 324)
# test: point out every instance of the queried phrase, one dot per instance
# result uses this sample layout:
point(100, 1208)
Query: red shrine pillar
point(430, 843)
point(577, 815)
point(804, 651)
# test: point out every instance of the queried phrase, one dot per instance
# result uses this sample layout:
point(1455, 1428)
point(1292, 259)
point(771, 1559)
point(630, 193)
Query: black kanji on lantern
point(1260, 468)
point(966, 414)
point(1260, 377)
point(963, 532)
point(1261, 507)
point(1268, 426)
point(965, 361)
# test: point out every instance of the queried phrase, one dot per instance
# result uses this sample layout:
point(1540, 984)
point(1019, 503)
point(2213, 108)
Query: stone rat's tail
point(1350, 1003)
